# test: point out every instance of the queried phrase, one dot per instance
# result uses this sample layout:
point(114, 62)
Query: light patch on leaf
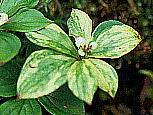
point(3, 18)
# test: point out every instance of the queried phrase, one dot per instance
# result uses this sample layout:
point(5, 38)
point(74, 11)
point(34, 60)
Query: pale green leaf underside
point(62, 102)
point(53, 37)
point(43, 72)
point(114, 41)
point(20, 107)
point(104, 74)
point(81, 82)
point(26, 20)
point(80, 24)
point(11, 6)
point(9, 46)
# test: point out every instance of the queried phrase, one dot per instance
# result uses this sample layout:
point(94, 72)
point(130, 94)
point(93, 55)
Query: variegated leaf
point(104, 74)
point(43, 72)
point(80, 24)
point(85, 76)
point(114, 39)
point(81, 82)
point(53, 37)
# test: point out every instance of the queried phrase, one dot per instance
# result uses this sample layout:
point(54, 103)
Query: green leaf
point(80, 24)
point(26, 20)
point(114, 39)
point(104, 74)
point(81, 82)
point(20, 107)
point(62, 102)
point(43, 72)
point(53, 37)
point(12, 6)
point(9, 46)
point(8, 79)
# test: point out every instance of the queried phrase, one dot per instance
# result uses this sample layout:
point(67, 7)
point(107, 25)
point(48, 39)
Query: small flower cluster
point(84, 46)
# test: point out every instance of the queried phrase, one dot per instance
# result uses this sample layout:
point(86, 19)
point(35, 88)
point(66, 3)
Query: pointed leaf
point(81, 82)
point(20, 107)
point(8, 79)
point(53, 37)
point(104, 74)
point(12, 6)
point(26, 20)
point(114, 39)
point(62, 102)
point(43, 72)
point(9, 46)
point(80, 24)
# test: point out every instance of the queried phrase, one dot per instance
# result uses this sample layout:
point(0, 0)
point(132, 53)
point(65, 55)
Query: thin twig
point(59, 7)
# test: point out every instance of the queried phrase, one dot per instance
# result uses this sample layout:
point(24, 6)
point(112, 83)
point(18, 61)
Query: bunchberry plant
point(46, 73)
point(16, 15)
point(46, 70)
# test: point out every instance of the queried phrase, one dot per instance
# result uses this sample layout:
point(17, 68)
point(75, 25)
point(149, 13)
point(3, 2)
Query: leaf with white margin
point(114, 39)
point(54, 37)
point(80, 24)
point(43, 72)
point(81, 82)
point(20, 107)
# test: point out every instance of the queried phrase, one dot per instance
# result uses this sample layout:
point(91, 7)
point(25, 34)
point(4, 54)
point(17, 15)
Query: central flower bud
point(84, 46)
point(80, 41)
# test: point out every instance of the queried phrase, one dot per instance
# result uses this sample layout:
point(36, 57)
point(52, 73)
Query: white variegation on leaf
point(3, 18)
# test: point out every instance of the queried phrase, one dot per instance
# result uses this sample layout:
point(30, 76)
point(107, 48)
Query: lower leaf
point(20, 107)
point(62, 102)
point(81, 81)
point(8, 78)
